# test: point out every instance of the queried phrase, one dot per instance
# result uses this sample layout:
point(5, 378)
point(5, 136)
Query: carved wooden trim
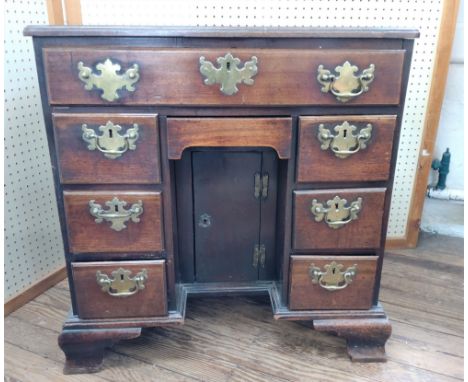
point(365, 338)
point(84, 349)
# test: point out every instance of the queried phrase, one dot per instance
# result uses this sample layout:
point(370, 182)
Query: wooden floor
point(236, 339)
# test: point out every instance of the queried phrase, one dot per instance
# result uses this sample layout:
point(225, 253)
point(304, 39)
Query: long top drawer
point(164, 76)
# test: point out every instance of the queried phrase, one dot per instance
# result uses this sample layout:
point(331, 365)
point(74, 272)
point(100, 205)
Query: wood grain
point(369, 164)
point(94, 303)
point(87, 236)
point(223, 32)
point(73, 12)
point(172, 77)
point(138, 166)
point(303, 294)
point(223, 337)
point(229, 132)
point(361, 233)
point(55, 12)
point(431, 124)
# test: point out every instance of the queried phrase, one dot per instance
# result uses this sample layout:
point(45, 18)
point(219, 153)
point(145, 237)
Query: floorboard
point(236, 339)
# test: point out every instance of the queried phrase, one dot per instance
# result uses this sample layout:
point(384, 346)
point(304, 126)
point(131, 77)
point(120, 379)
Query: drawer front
point(345, 148)
point(120, 289)
point(152, 76)
point(121, 221)
point(329, 219)
point(107, 148)
point(183, 133)
point(332, 282)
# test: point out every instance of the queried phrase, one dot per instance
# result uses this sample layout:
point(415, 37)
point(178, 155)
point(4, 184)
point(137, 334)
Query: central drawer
point(152, 76)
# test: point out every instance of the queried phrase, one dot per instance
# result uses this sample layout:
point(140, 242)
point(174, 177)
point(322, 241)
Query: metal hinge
point(261, 185)
point(259, 255)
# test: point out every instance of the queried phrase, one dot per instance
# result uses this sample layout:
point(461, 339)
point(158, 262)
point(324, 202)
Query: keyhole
point(345, 132)
point(228, 66)
point(204, 221)
point(116, 208)
point(336, 206)
point(121, 277)
point(333, 270)
point(110, 133)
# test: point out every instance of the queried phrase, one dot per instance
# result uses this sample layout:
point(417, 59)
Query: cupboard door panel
point(226, 215)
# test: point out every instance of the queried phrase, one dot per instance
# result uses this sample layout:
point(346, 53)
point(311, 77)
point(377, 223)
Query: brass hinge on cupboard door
point(261, 185)
point(259, 255)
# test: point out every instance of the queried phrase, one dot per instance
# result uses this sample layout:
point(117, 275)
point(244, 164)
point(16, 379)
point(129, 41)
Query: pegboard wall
point(420, 14)
point(33, 242)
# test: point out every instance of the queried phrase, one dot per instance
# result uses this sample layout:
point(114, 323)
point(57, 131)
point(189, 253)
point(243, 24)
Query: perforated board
point(33, 242)
point(420, 14)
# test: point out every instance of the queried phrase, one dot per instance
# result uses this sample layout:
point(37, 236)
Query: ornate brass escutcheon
point(116, 214)
point(346, 85)
point(120, 284)
point(228, 74)
point(110, 142)
point(109, 80)
point(332, 278)
point(345, 142)
point(337, 214)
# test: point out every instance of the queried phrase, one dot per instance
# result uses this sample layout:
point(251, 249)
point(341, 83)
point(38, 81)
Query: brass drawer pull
point(110, 142)
point(344, 143)
point(332, 279)
point(228, 74)
point(337, 214)
point(116, 214)
point(346, 85)
point(120, 284)
point(109, 80)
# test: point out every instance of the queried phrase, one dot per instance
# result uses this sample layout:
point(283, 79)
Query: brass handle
point(109, 80)
point(346, 85)
point(110, 142)
point(121, 284)
point(332, 279)
point(337, 214)
point(344, 143)
point(116, 214)
point(228, 74)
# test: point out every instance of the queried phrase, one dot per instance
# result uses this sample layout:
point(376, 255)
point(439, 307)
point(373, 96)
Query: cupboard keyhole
point(110, 133)
point(228, 65)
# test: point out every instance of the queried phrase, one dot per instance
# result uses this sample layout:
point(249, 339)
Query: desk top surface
point(217, 32)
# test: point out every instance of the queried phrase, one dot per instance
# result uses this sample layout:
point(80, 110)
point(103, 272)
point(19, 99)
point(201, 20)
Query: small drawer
point(183, 133)
point(345, 148)
point(107, 148)
point(332, 282)
point(162, 76)
point(120, 289)
point(338, 219)
point(121, 221)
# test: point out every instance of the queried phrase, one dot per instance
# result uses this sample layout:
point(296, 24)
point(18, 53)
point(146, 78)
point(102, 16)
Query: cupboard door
point(226, 215)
